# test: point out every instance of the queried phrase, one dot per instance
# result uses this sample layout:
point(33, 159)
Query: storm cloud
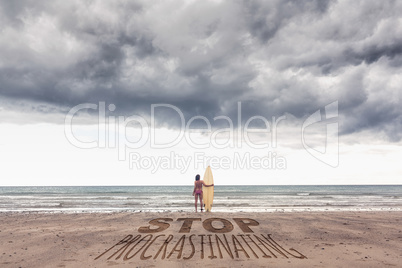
point(276, 57)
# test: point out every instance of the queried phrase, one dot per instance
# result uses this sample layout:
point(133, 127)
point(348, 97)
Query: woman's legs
point(195, 196)
point(200, 196)
point(201, 202)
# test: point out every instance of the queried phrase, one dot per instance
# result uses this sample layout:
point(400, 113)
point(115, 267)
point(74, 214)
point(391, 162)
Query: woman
point(198, 190)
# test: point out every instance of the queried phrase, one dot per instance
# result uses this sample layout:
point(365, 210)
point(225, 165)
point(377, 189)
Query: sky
point(152, 92)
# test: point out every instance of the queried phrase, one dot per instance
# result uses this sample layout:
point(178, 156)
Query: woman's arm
point(194, 189)
point(203, 183)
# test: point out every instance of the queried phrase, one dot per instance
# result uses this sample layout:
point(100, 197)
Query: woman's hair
point(197, 177)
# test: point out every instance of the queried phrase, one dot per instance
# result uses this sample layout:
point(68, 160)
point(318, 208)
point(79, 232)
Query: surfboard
point(208, 192)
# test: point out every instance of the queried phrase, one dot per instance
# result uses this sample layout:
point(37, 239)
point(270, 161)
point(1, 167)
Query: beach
point(180, 239)
point(227, 198)
point(282, 118)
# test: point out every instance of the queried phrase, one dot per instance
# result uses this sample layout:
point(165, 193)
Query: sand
point(299, 239)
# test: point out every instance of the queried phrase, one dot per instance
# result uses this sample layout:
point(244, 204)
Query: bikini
point(198, 191)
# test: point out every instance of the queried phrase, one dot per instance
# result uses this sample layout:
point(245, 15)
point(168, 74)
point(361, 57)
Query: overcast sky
point(277, 58)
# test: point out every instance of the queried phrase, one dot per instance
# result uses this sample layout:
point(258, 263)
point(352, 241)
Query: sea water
point(261, 198)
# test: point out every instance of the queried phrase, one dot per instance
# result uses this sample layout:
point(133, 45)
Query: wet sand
point(298, 239)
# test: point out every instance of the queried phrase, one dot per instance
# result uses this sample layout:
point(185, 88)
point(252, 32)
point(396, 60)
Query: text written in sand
point(152, 244)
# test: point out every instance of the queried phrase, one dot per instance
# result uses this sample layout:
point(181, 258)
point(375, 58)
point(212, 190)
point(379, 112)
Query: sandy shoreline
point(302, 239)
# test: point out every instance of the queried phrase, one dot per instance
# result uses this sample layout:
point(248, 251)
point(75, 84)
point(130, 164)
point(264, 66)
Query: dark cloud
point(264, 19)
point(204, 57)
point(373, 53)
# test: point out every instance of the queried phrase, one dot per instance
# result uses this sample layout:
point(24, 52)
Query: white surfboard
point(208, 192)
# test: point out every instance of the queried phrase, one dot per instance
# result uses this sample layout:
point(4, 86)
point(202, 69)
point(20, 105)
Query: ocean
point(260, 198)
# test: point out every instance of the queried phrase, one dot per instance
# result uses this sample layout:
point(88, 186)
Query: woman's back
point(198, 185)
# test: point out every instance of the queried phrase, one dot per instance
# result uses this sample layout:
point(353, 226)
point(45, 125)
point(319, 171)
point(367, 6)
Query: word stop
point(214, 225)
